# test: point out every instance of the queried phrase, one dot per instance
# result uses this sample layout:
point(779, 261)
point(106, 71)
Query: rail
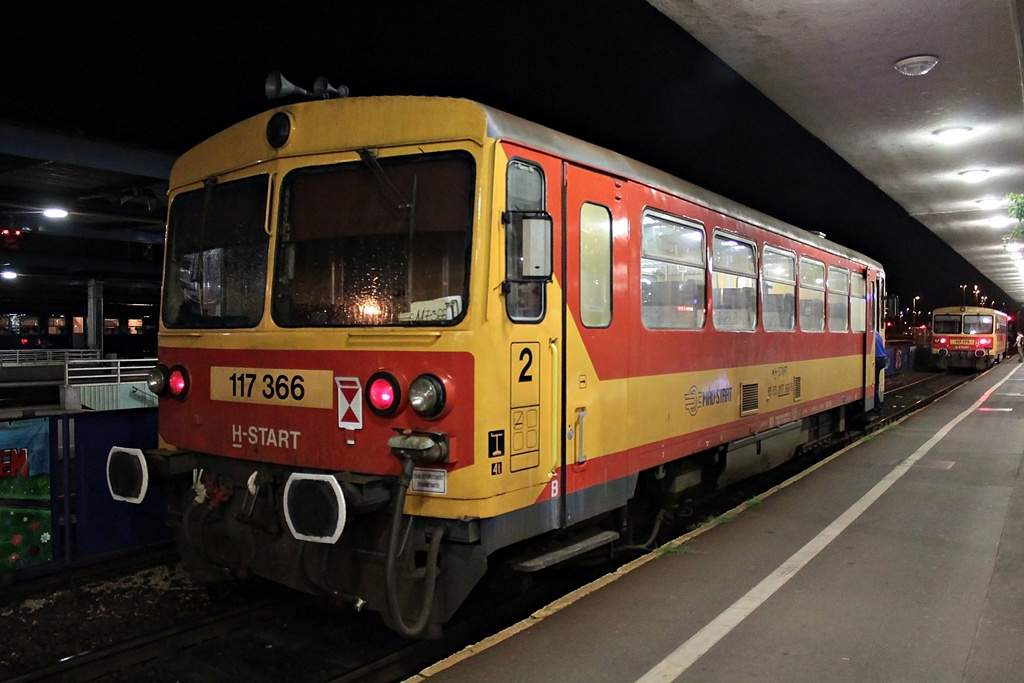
point(112, 371)
point(38, 356)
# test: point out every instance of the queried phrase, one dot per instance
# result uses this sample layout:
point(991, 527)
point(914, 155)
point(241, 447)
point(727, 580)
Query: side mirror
point(528, 246)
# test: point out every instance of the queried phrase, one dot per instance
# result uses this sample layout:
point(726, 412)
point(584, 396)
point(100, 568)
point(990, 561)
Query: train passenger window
point(733, 284)
point(778, 268)
point(217, 248)
point(838, 299)
point(858, 303)
point(379, 241)
point(812, 295)
point(525, 301)
point(673, 293)
point(595, 265)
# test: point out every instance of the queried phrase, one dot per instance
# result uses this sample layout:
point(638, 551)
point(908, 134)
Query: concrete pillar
point(94, 316)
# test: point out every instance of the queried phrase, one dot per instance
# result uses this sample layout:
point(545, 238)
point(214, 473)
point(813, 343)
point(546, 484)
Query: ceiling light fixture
point(974, 175)
point(953, 133)
point(991, 203)
point(55, 213)
point(1001, 221)
point(917, 65)
point(8, 274)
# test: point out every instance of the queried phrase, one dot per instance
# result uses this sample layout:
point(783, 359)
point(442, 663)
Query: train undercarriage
point(240, 520)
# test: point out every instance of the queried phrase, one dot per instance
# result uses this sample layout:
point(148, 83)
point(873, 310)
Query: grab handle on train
point(580, 453)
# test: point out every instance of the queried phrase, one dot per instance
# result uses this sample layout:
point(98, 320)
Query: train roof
point(445, 118)
point(508, 127)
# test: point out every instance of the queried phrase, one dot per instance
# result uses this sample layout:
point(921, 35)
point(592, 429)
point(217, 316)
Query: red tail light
point(383, 393)
point(178, 382)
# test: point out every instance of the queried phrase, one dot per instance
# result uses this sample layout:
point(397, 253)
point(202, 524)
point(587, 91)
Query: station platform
point(901, 558)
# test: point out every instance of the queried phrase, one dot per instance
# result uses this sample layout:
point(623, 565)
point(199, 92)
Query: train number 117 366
point(301, 388)
point(281, 386)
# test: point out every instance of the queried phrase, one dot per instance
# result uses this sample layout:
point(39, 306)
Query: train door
point(595, 276)
point(877, 304)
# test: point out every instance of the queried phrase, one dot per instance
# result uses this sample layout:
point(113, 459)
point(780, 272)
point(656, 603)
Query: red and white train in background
point(403, 336)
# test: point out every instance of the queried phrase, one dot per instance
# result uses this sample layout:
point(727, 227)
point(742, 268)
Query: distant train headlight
point(383, 393)
point(178, 382)
point(427, 395)
point(156, 380)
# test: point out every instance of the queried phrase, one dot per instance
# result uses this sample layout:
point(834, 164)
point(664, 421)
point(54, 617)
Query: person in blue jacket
point(881, 360)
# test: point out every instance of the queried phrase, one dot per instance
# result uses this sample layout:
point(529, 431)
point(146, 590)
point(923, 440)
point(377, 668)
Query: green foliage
point(1016, 211)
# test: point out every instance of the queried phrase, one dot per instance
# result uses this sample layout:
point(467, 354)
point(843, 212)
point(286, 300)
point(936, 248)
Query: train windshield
point(947, 324)
point(381, 241)
point(217, 247)
point(978, 324)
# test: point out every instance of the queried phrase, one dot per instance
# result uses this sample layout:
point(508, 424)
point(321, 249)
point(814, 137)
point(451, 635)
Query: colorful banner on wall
point(25, 521)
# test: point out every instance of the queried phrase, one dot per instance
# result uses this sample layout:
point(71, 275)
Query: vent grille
point(796, 388)
point(749, 399)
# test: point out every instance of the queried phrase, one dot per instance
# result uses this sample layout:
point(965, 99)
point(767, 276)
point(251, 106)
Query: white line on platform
point(693, 649)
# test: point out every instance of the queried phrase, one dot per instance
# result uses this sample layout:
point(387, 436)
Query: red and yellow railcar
point(972, 337)
point(400, 335)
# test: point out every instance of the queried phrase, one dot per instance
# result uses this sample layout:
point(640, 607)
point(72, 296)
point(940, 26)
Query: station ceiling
point(793, 107)
point(832, 66)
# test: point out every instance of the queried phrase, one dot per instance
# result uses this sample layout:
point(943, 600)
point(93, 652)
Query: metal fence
point(37, 356)
point(112, 371)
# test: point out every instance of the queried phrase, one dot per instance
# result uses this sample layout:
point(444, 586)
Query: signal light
point(156, 380)
point(427, 395)
point(383, 393)
point(178, 382)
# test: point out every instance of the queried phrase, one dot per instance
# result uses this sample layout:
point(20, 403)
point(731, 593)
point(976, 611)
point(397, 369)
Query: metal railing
point(112, 371)
point(38, 356)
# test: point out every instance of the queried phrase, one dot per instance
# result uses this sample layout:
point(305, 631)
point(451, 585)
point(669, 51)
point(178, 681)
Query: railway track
point(289, 636)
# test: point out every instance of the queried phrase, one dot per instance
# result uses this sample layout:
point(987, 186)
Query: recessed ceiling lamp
point(953, 133)
point(1001, 221)
point(974, 175)
point(55, 213)
point(918, 65)
point(990, 203)
point(1013, 246)
point(8, 274)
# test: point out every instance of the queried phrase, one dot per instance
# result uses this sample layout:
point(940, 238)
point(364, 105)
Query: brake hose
point(394, 610)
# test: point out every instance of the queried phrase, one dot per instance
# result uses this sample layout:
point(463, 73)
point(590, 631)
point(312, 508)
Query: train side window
point(778, 268)
point(858, 303)
point(525, 300)
point(838, 299)
point(595, 265)
point(812, 295)
point(672, 272)
point(733, 284)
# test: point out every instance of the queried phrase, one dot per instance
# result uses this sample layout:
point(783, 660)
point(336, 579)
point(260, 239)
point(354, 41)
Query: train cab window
point(380, 241)
point(947, 324)
point(778, 268)
point(525, 300)
point(812, 295)
point(595, 265)
point(838, 299)
point(978, 324)
point(672, 267)
point(858, 303)
point(217, 246)
point(733, 284)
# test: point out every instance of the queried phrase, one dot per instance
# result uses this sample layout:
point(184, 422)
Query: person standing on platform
point(881, 360)
point(1020, 347)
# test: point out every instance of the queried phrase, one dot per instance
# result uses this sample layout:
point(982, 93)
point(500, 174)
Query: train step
point(566, 552)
